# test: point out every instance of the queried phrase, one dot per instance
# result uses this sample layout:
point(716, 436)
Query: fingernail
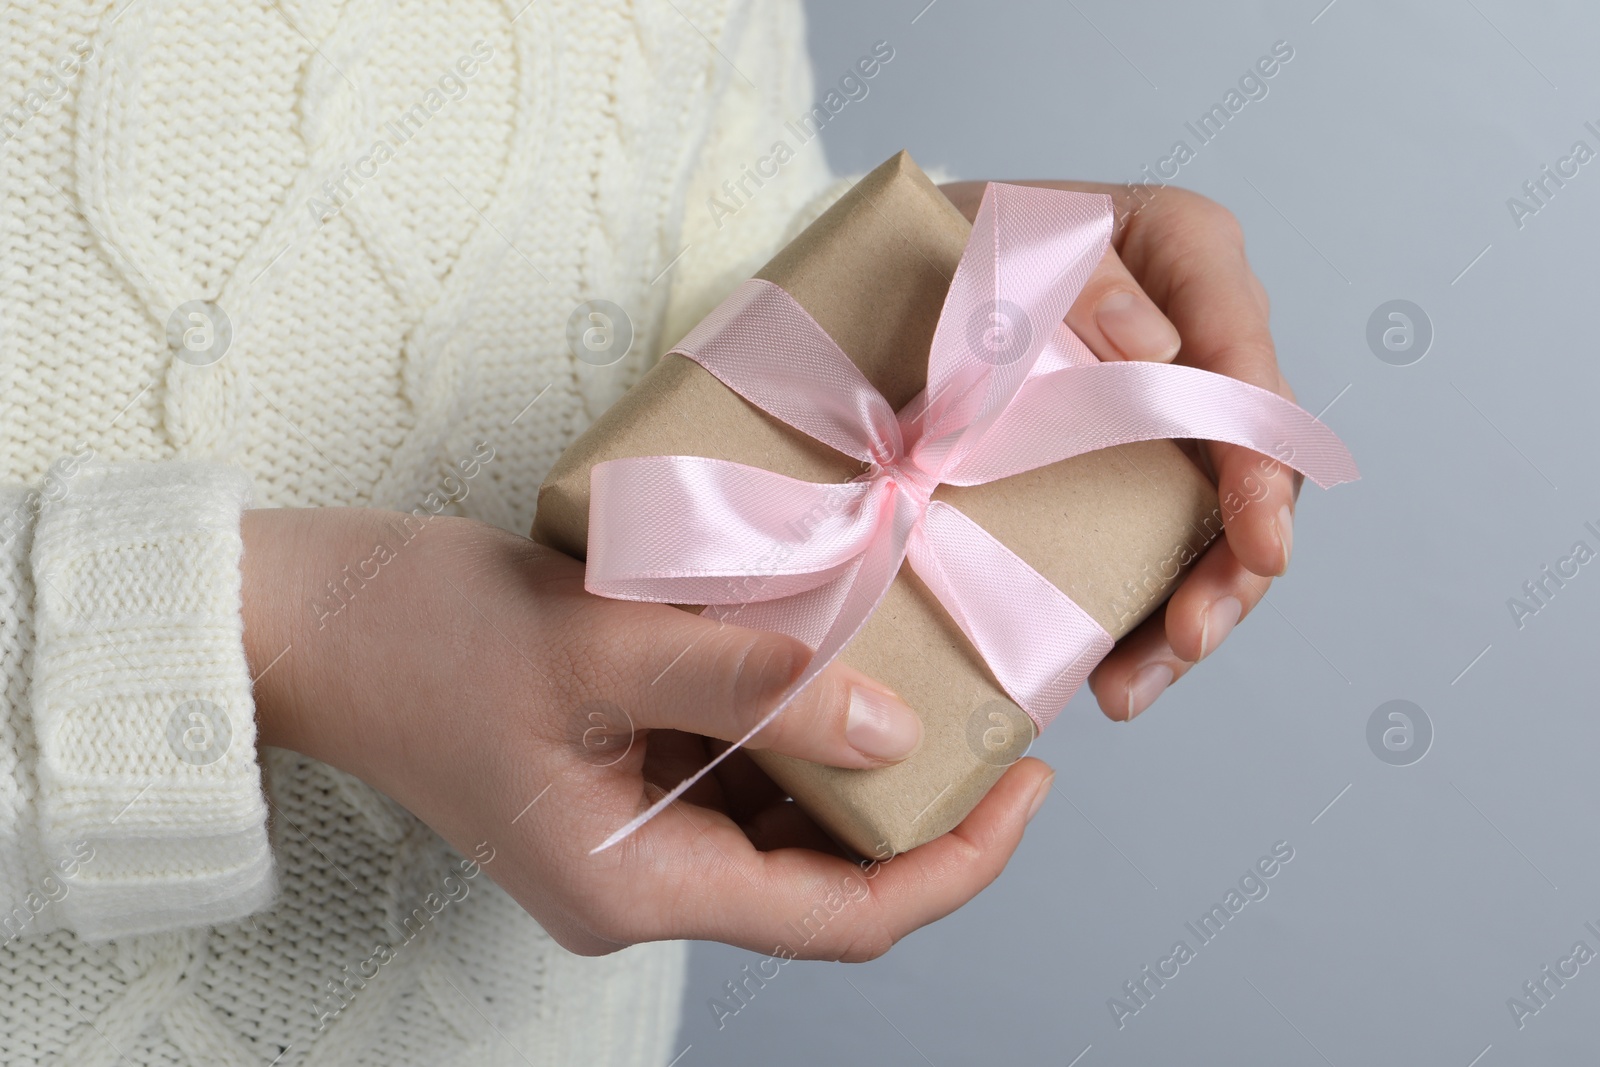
point(1220, 619)
point(1285, 534)
point(881, 727)
point(1038, 798)
point(1150, 682)
point(1136, 328)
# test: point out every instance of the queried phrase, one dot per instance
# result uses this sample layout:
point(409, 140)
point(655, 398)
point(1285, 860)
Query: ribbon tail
point(1085, 408)
point(866, 587)
point(1039, 644)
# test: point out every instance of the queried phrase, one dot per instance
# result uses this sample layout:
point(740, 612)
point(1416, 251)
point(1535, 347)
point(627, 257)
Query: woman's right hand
point(472, 679)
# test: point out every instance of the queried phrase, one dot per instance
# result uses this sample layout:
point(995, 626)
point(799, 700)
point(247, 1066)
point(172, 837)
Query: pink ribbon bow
point(1010, 388)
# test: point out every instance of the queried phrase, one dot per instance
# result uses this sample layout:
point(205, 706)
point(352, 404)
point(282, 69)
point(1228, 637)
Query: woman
point(300, 303)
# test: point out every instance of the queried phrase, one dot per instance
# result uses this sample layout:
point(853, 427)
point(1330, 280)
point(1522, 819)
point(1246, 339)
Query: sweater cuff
point(141, 697)
point(27, 884)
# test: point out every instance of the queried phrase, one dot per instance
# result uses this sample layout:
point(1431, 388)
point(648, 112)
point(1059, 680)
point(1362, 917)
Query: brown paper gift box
point(1113, 529)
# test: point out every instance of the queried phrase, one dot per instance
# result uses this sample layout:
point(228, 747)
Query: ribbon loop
point(1029, 254)
point(722, 533)
point(807, 380)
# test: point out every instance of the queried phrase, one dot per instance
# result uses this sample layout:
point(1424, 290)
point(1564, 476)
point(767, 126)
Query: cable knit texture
point(314, 254)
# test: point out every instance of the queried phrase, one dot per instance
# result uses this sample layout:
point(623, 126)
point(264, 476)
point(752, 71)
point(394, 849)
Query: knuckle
point(1226, 224)
point(589, 945)
point(1251, 360)
point(587, 660)
point(1218, 219)
point(1259, 291)
point(1111, 276)
point(755, 665)
point(1210, 220)
point(1141, 193)
point(613, 928)
point(816, 720)
point(865, 943)
point(586, 645)
point(1140, 197)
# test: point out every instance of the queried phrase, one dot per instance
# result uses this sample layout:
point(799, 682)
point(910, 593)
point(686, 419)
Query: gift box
point(1115, 529)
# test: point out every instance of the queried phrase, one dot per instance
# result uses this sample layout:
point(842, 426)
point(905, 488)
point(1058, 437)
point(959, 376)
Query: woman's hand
point(1176, 286)
point(472, 679)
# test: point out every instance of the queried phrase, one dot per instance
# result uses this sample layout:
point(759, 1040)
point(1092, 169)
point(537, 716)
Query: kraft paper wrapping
point(1113, 529)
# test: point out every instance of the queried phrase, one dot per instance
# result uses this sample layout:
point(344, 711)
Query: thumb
point(678, 671)
point(1115, 318)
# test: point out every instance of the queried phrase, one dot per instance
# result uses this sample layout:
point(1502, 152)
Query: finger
point(763, 810)
point(675, 670)
point(808, 905)
point(671, 756)
point(1216, 593)
point(1138, 670)
point(1188, 254)
point(1112, 314)
point(1204, 282)
point(746, 788)
point(1117, 320)
point(1126, 200)
point(1257, 495)
point(786, 825)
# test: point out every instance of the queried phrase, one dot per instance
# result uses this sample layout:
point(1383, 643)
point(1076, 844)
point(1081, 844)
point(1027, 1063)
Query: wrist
point(266, 597)
point(288, 554)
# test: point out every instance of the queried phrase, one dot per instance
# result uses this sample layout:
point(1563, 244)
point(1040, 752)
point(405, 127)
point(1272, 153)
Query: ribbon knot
point(814, 560)
point(906, 477)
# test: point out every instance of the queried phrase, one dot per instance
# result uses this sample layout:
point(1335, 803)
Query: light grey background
point(1378, 167)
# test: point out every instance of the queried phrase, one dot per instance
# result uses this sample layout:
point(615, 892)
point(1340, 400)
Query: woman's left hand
point(1175, 286)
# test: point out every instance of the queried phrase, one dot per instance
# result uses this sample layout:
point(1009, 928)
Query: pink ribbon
point(1010, 388)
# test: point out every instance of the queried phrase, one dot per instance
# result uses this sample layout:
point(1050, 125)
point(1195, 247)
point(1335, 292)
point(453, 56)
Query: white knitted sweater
point(295, 253)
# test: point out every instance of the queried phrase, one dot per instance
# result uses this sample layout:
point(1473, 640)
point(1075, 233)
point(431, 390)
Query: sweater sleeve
point(130, 796)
